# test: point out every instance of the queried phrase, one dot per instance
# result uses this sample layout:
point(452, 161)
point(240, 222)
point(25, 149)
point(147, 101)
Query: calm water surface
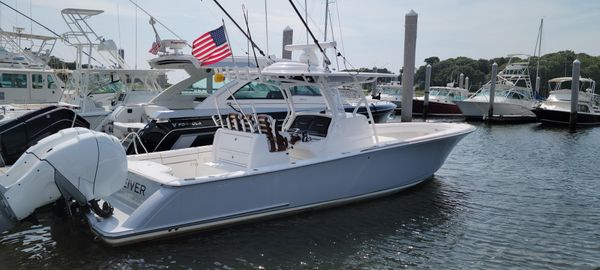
point(509, 196)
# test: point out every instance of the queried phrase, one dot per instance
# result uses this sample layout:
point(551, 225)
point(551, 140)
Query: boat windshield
point(585, 85)
point(97, 83)
point(108, 88)
point(438, 92)
point(257, 90)
point(389, 90)
point(204, 87)
point(103, 82)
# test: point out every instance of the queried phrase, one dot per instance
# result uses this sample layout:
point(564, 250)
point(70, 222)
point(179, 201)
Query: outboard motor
point(76, 163)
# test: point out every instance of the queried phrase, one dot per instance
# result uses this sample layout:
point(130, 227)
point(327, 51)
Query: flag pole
point(228, 43)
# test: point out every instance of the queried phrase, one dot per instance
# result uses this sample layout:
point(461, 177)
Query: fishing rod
point(242, 30)
point(327, 61)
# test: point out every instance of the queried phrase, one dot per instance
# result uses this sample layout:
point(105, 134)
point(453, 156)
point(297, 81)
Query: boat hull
point(560, 117)
point(477, 111)
point(436, 108)
point(302, 186)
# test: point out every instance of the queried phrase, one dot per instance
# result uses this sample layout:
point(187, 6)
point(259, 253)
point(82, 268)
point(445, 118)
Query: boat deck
point(196, 165)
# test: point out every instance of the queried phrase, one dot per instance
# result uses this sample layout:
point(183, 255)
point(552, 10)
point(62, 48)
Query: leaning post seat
point(249, 123)
point(247, 144)
point(267, 125)
point(233, 121)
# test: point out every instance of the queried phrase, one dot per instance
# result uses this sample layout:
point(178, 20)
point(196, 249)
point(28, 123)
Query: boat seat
point(249, 124)
point(233, 121)
point(274, 95)
point(266, 125)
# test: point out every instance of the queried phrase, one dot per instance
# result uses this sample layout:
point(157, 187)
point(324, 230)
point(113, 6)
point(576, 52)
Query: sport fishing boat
point(102, 80)
point(180, 116)
point(252, 170)
point(513, 99)
point(556, 109)
point(441, 101)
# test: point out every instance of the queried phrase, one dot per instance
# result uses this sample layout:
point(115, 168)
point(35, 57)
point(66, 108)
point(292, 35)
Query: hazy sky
point(372, 31)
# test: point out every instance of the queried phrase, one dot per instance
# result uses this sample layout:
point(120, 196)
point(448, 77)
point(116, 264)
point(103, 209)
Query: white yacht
point(513, 99)
point(252, 170)
point(556, 109)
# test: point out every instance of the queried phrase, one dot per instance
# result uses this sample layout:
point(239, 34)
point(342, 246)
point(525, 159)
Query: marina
point(218, 151)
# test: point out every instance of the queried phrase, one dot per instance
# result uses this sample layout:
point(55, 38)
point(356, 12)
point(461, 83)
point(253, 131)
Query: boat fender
point(104, 212)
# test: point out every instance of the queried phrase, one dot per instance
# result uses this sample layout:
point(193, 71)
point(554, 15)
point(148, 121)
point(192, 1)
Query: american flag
point(211, 47)
point(155, 46)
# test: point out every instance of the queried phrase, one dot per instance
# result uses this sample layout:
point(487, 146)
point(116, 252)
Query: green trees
point(447, 71)
point(552, 65)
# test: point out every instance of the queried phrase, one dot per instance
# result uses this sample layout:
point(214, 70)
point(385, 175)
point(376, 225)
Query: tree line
point(551, 65)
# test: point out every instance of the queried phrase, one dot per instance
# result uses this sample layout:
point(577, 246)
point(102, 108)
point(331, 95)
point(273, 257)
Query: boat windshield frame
point(585, 84)
point(296, 75)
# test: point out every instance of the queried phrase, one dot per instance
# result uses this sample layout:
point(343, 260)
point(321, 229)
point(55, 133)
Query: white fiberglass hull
point(146, 209)
point(478, 110)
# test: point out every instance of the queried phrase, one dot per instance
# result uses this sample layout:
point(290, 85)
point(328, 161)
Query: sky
point(369, 33)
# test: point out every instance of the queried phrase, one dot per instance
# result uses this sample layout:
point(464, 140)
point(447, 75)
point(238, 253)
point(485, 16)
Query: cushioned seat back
point(249, 124)
point(233, 122)
point(267, 126)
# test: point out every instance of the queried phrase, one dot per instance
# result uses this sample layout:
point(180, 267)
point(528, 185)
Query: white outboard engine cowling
point(75, 163)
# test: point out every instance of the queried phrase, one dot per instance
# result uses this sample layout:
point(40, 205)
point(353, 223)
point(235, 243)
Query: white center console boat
point(252, 170)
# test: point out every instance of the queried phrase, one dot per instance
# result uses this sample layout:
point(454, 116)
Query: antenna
point(325, 58)
point(325, 30)
point(119, 26)
point(245, 11)
point(538, 47)
point(136, 36)
point(30, 22)
point(306, 16)
point(267, 27)
point(538, 50)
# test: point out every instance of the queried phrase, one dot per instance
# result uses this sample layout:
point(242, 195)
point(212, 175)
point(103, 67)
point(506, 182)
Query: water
point(509, 196)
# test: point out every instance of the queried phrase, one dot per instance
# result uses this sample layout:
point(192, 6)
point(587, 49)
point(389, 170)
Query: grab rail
point(135, 135)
